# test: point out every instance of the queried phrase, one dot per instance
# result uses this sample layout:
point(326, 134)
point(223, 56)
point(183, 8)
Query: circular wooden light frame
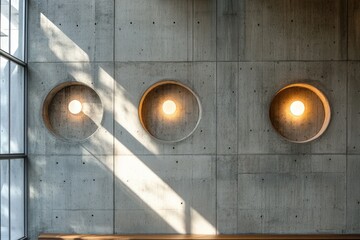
point(194, 122)
point(321, 97)
point(55, 104)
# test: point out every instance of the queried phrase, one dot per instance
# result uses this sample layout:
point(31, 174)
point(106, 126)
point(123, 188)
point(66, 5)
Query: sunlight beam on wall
point(61, 45)
point(159, 196)
point(126, 115)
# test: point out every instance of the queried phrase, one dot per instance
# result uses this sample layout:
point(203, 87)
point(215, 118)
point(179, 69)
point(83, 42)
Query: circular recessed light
point(297, 108)
point(75, 107)
point(169, 111)
point(169, 107)
point(65, 113)
point(300, 112)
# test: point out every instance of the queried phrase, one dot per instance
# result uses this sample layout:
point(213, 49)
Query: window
point(12, 120)
point(13, 27)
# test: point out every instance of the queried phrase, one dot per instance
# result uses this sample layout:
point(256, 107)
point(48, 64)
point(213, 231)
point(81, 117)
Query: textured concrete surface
point(354, 31)
point(170, 192)
point(353, 194)
point(353, 146)
point(63, 200)
point(281, 193)
point(235, 174)
point(87, 34)
point(282, 30)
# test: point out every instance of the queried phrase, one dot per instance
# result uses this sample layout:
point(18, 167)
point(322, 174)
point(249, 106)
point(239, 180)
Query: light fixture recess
point(72, 111)
point(169, 111)
point(300, 112)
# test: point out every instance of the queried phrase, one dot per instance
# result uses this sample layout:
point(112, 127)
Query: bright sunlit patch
point(75, 106)
point(169, 107)
point(297, 108)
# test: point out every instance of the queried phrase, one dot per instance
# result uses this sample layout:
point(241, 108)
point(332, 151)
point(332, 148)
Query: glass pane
point(4, 105)
point(17, 28)
point(4, 199)
point(5, 26)
point(17, 198)
point(17, 108)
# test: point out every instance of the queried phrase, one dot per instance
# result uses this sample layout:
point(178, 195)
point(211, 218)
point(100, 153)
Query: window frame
point(13, 156)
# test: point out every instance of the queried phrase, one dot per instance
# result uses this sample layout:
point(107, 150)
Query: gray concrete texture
point(235, 174)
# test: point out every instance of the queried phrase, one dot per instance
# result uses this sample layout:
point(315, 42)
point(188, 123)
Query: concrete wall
point(235, 174)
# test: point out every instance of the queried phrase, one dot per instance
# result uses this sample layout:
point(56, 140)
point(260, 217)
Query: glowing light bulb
point(169, 107)
point(75, 107)
point(297, 108)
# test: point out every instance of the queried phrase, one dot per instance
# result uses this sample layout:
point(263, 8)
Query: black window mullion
point(9, 105)
point(12, 58)
point(13, 61)
point(1, 59)
point(10, 26)
point(0, 48)
point(0, 203)
point(9, 199)
point(25, 110)
point(25, 196)
point(0, 103)
point(9, 76)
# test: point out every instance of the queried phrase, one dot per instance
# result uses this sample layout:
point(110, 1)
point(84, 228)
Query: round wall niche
point(169, 111)
point(72, 111)
point(300, 112)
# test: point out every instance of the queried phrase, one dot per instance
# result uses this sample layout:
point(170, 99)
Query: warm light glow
point(75, 107)
point(169, 107)
point(297, 108)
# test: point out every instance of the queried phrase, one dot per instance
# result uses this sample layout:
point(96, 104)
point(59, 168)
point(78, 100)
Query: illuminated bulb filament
point(169, 107)
point(297, 108)
point(75, 107)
